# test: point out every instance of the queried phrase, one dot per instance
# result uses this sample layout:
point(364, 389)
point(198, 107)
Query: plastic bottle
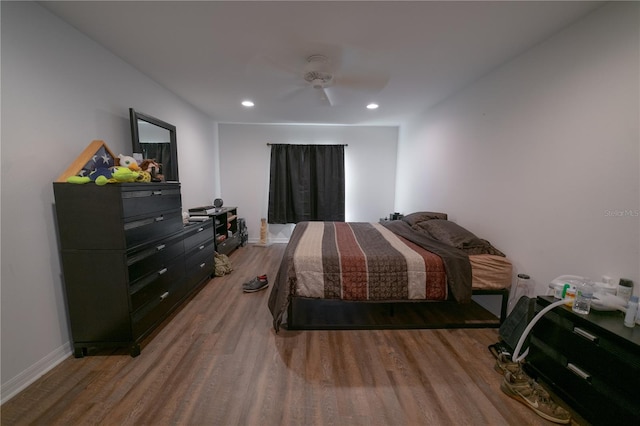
point(570, 296)
point(632, 310)
point(522, 288)
point(625, 289)
point(584, 294)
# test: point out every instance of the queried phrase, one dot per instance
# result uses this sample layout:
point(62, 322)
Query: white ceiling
point(406, 56)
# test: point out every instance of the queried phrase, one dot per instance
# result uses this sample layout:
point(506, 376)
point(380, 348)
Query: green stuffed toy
point(103, 176)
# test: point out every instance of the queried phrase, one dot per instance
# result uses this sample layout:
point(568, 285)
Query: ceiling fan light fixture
point(372, 105)
point(247, 103)
point(318, 72)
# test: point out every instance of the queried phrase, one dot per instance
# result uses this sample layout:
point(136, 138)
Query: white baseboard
point(271, 241)
point(13, 386)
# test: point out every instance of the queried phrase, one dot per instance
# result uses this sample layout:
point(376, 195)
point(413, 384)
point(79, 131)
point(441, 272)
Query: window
point(306, 183)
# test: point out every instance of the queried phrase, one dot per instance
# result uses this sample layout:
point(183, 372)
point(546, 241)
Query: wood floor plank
point(217, 361)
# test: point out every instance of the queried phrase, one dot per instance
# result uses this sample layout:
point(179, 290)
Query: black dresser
point(127, 259)
point(592, 361)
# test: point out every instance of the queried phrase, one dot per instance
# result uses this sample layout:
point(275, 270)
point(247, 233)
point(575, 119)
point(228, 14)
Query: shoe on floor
point(256, 284)
point(253, 280)
point(524, 389)
point(504, 364)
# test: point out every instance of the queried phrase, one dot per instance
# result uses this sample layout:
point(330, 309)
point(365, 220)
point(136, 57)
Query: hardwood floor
point(217, 361)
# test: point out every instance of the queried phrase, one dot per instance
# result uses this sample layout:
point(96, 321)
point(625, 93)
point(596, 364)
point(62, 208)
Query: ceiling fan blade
point(366, 82)
point(272, 68)
point(319, 95)
point(329, 95)
point(293, 93)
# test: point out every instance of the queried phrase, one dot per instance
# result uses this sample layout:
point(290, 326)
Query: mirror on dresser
point(155, 139)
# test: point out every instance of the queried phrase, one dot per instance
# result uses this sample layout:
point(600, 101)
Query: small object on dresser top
point(198, 218)
point(625, 289)
point(584, 295)
point(632, 310)
point(203, 210)
point(570, 296)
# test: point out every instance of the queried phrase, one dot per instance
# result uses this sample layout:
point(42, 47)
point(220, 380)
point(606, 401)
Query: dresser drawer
point(156, 311)
point(208, 245)
point(140, 201)
point(152, 228)
point(156, 283)
point(199, 264)
point(597, 400)
point(195, 235)
point(202, 253)
point(590, 351)
point(226, 246)
point(154, 257)
point(159, 304)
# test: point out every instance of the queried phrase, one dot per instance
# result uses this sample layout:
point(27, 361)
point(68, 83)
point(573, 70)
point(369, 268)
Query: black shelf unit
point(227, 236)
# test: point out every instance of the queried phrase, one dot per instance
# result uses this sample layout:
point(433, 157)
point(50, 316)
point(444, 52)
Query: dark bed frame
point(334, 314)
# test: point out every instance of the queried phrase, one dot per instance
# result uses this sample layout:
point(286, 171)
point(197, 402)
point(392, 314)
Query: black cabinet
point(227, 236)
point(125, 259)
point(592, 361)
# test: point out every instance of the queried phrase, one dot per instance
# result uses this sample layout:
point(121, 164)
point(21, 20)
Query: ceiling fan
point(339, 77)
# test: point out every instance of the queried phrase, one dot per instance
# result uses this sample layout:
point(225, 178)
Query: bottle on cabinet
point(625, 289)
point(584, 295)
point(632, 310)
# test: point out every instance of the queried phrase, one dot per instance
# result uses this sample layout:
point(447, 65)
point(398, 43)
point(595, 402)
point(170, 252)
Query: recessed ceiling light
point(372, 106)
point(248, 104)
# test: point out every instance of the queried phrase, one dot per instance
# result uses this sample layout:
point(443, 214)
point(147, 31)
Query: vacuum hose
point(525, 333)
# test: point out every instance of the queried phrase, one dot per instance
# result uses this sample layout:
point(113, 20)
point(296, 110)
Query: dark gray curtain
point(306, 183)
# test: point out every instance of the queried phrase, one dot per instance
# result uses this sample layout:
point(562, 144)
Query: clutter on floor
point(256, 284)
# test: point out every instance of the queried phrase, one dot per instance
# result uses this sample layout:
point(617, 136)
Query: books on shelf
point(202, 211)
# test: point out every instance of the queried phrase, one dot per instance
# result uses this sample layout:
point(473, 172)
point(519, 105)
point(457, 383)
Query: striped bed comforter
point(365, 261)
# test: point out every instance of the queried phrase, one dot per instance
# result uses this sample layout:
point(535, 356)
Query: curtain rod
point(338, 144)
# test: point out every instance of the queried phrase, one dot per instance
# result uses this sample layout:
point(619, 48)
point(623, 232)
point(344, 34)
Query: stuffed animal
point(122, 174)
point(130, 162)
point(143, 176)
point(103, 176)
point(153, 167)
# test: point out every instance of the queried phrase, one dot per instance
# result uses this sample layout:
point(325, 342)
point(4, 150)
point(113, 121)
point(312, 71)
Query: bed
point(422, 258)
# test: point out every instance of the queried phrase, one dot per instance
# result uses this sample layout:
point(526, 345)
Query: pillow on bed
point(455, 235)
point(417, 217)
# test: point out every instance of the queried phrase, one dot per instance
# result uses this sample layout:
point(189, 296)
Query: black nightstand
point(591, 361)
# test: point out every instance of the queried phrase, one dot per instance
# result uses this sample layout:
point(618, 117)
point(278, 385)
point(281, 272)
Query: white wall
point(60, 90)
point(541, 156)
point(370, 168)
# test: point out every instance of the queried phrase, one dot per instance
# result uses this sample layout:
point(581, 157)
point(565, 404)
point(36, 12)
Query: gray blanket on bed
point(456, 262)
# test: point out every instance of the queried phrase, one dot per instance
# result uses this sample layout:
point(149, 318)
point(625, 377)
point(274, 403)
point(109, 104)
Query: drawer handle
point(585, 334)
point(164, 295)
point(200, 229)
point(157, 192)
point(579, 372)
point(202, 264)
point(160, 247)
point(162, 271)
point(159, 218)
point(201, 247)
